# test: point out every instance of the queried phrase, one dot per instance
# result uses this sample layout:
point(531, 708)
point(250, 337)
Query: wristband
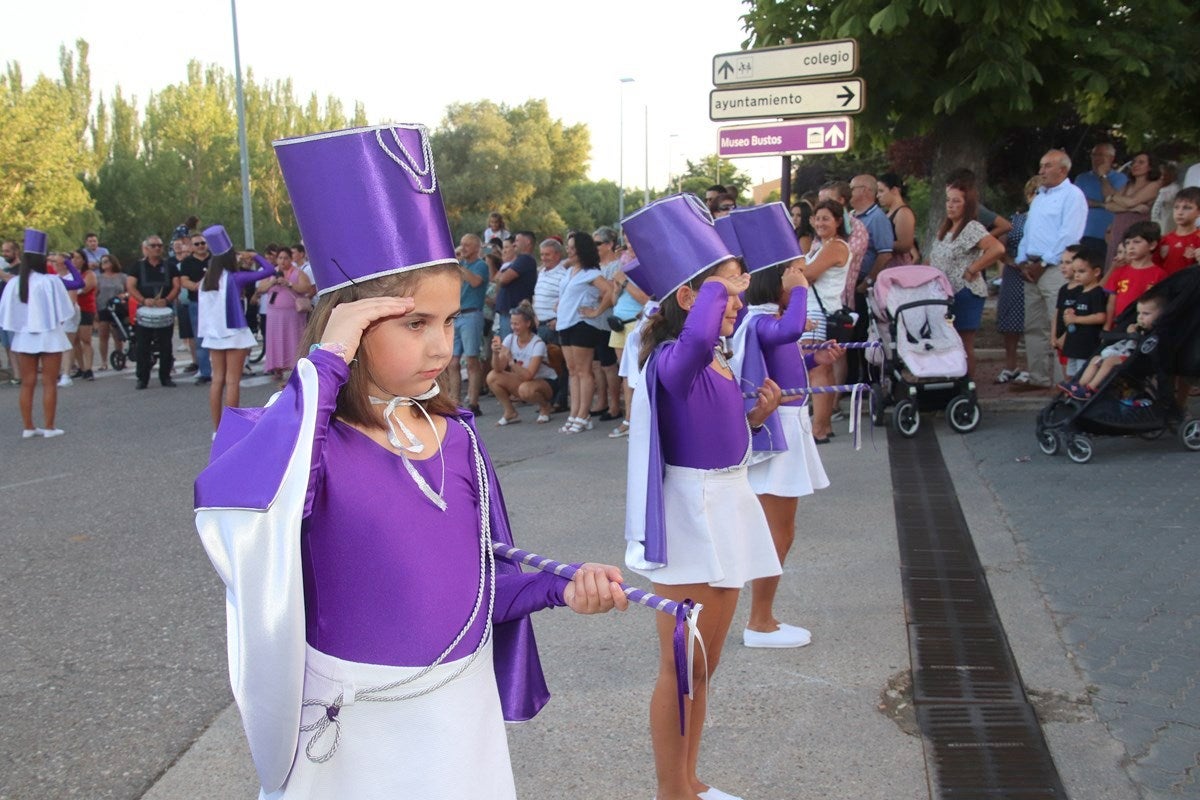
point(337, 348)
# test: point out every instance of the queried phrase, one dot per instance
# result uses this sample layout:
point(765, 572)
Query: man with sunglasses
point(191, 273)
point(153, 283)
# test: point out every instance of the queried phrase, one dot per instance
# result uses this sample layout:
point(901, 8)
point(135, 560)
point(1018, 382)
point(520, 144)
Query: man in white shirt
point(545, 300)
point(1056, 220)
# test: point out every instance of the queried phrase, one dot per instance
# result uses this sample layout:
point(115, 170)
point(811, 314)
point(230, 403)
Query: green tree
point(711, 169)
point(963, 71)
point(42, 156)
point(515, 160)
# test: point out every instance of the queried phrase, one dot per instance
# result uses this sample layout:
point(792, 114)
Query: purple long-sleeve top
point(778, 337)
point(388, 577)
point(75, 282)
point(235, 316)
point(701, 420)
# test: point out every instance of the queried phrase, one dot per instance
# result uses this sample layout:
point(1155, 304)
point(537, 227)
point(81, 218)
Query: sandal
point(500, 423)
point(620, 431)
point(542, 419)
point(1006, 375)
point(566, 428)
point(1021, 378)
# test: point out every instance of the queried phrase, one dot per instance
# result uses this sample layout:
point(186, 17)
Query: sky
point(407, 61)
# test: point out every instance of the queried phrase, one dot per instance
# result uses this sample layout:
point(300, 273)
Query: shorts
point(606, 355)
point(616, 339)
point(105, 315)
point(583, 335)
point(1122, 349)
point(1076, 366)
point(968, 311)
point(86, 318)
point(6, 339)
point(468, 334)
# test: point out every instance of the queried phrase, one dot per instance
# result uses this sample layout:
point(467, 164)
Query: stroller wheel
point(116, 359)
point(1189, 434)
point(906, 418)
point(1047, 441)
point(1079, 449)
point(963, 414)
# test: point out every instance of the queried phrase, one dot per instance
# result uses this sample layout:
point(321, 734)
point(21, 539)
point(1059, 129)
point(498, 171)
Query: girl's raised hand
point(793, 276)
point(347, 321)
point(595, 589)
point(769, 398)
point(735, 285)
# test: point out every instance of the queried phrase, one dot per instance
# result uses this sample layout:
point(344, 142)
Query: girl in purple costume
point(400, 592)
point(787, 470)
point(714, 548)
point(222, 328)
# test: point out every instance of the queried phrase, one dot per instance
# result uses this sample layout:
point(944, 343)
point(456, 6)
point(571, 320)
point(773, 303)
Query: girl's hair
point(667, 322)
point(766, 285)
point(83, 256)
point(893, 181)
point(525, 310)
point(218, 264)
point(283, 249)
point(353, 401)
point(805, 227)
point(30, 262)
point(970, 208)
point(837, 210)
point(1155, 171)
point(116, 264)
point(585, 250)
point(191, 222)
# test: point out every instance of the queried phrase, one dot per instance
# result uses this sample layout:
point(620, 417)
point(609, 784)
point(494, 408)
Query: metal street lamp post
point(621, 167)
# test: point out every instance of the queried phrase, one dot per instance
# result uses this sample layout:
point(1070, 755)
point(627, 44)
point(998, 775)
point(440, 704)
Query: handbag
point(304, 303)
point(839, 325)
point(615, 323)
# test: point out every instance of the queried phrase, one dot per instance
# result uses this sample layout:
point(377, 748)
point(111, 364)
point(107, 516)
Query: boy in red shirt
point(1181, 247)
point(1126, 283)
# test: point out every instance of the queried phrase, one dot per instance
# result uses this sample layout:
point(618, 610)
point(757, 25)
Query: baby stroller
point(921, 362)
point(122, 331)
point(1137, 398)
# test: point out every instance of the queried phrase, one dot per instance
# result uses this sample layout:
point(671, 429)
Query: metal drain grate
point(982, 739)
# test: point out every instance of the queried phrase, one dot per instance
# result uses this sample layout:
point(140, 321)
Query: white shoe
point(785, 636)
point(65, 380)
point(713, 793)
point(29, 433)
point(51, 432)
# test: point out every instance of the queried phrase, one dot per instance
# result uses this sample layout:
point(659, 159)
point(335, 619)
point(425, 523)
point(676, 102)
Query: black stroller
point(1138, 397)
point(122, 330)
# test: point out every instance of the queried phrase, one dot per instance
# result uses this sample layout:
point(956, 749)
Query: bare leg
point(50, 367)
point(105, 332)
point(599, 383)
point(454, 378)
point(474, 380)
point(1010, 351)
point(822, 375)
point(27, 365)
point(503, 386)
point(536, 391)
point(613, 384)
point(85, 347)
point(781, 519)
point(968, 340)
point(216, 389)
point(675, 756)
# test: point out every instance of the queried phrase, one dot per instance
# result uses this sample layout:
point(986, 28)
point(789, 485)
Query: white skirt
point(716, 531)
point(445, 745)
point(54, 341)
point(240, 339)
point(797, 471)
point(72, 325)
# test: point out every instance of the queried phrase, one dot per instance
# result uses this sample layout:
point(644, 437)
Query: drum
point(155, 317)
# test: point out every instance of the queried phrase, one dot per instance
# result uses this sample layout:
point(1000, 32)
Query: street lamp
point(621, 168)
point(646, 153)
point(247, 209)
point(670, 160)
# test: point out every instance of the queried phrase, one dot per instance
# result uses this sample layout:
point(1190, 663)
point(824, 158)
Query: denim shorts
point(468, 334)
point(968, 311)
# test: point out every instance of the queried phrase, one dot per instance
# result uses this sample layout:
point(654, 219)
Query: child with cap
point(376, 644)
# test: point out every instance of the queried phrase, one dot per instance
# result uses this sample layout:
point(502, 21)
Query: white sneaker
point(713, 793)
point(29, 433)
point(65, 380)
point(785, 636)
point(51, 432)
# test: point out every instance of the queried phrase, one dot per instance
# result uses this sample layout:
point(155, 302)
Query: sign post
point(788, 138)
point(787, 63)
point(793, 100)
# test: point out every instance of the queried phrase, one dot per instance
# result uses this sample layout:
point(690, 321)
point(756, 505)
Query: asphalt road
point(112, 620)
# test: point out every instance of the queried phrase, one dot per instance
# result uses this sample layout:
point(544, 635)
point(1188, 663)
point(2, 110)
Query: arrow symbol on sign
point(846, 96)
point(833, 134)
point(725, 70)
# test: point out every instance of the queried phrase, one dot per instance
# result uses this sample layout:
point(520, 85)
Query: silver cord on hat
point(409, 164)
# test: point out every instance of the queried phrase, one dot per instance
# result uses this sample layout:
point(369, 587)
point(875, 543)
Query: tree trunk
point(957, 144)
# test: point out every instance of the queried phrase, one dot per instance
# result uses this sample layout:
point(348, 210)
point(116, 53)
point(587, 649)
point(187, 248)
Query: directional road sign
point(788, 63)
point(790, 138)
point(797, 100)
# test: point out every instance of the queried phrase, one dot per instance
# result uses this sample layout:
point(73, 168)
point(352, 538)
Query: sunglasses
point(199, 244)
point(155, 244)
point(726, 208)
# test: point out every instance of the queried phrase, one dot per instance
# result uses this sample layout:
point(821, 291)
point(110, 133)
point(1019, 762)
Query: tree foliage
point(699, 175)
point(516, 160)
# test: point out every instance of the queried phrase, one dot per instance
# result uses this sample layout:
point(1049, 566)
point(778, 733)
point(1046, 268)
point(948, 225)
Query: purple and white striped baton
point(686, 614)
point(843, 345)
point(856, 390)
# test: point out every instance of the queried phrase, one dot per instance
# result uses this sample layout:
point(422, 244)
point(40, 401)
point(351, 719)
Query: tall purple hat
point(367, 202)
point(766, 235)
point(218, 239)
point(675, 240)
point(36, 241)
point(724, 226)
